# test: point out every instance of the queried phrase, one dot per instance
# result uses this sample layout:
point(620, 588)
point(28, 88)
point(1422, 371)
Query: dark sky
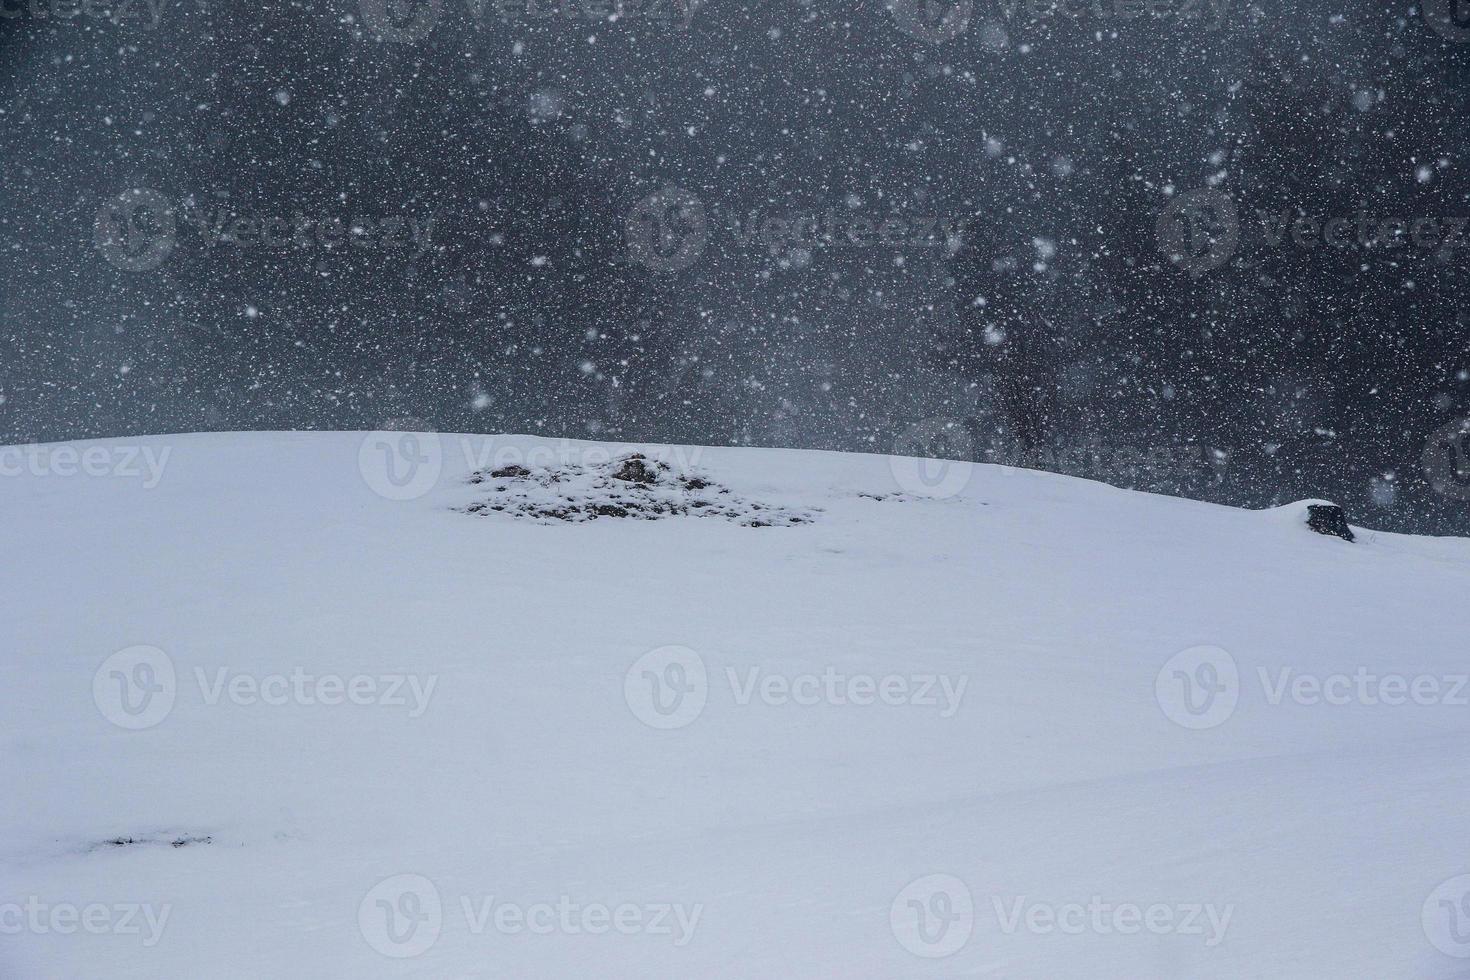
point(812, 224)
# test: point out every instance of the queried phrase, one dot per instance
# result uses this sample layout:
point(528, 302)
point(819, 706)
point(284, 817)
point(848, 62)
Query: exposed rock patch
point(630, 487)
point(172, 840)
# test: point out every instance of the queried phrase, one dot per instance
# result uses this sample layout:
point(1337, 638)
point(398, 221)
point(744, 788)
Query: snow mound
point(632, 486)
point(273, 706)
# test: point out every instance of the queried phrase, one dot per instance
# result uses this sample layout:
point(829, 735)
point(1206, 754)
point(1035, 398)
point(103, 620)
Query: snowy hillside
point(348, 705)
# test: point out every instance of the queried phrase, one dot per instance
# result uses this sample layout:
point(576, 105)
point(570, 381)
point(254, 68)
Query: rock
point(635, 469)
point(1329, 519)
point(632, 487)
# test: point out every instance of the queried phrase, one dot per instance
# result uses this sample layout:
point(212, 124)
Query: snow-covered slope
point(309, 705)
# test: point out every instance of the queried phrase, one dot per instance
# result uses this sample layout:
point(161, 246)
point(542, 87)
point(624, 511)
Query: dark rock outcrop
point(1329, 519)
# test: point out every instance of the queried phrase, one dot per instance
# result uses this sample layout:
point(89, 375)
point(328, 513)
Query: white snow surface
point(993, 759)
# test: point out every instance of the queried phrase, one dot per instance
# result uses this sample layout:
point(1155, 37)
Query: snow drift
point(292, 705)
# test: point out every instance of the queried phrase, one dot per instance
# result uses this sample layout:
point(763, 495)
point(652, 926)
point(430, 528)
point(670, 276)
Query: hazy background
point(331, 215)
